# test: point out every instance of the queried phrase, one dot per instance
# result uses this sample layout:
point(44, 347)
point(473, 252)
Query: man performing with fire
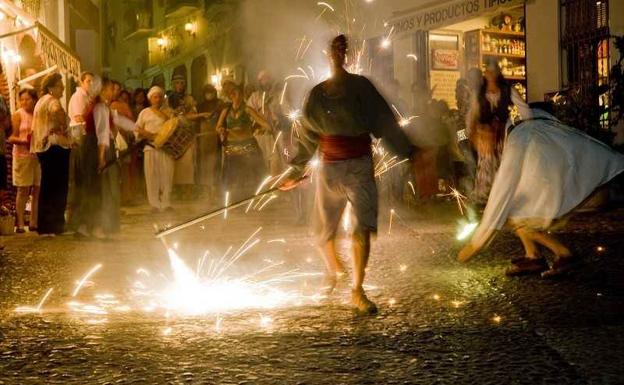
point(340, 116)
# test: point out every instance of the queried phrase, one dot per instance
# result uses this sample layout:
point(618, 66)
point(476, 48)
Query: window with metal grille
point(585, 49)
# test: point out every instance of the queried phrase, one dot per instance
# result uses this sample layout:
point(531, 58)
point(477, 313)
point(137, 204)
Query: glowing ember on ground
point(436, 297)
point(402, 268)
point(37, 309)
point(600, 249)
point(84, 279)
point(390, 224)
point(457, 304)
point(265, 321)
point(497, 319)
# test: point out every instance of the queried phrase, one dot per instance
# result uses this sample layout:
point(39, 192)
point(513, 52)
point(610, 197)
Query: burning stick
point(164, 232)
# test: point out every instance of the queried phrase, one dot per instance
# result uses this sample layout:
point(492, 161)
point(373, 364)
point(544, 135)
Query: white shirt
point(151, 122)
point(268, 106)
point(47, 116)
point(102, 118)
point(78, 105)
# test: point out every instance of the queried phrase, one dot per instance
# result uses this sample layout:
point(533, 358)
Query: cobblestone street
point(439, 321)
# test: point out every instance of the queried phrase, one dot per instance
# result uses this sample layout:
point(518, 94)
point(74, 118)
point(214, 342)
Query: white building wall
point(542, 46)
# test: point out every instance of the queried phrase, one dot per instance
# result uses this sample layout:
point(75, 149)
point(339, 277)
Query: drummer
point(243, 165)
point(159, 166)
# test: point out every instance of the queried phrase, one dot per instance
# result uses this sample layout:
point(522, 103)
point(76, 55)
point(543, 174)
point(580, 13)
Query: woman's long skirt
point(53, 193)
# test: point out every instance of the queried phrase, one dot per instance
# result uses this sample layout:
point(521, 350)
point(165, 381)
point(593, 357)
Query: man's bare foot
point(329, 284)
point(330, 281)
point(363, 305)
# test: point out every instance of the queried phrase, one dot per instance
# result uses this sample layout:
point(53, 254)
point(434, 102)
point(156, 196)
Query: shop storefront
point(434, 47)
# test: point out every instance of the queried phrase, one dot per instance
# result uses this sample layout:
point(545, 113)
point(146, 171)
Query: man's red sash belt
point(337, 148)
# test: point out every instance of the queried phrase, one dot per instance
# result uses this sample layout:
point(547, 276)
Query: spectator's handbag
point(120, 142)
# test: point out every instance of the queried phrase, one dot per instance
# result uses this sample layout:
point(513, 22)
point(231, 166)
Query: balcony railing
point(32, 7)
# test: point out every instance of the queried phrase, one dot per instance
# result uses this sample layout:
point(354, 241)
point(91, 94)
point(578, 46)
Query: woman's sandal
point(525, 266)
point(560, 266)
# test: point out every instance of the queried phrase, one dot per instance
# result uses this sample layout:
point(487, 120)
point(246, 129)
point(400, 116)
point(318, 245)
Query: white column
point(63, 22)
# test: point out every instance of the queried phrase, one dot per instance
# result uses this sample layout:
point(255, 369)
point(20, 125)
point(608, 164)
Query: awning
point(452, 12)
point(52, 50)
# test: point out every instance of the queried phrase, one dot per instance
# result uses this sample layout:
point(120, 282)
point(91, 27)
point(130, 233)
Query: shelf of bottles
point(506, 47)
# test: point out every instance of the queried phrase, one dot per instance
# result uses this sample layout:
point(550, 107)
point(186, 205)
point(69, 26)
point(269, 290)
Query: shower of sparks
point(294, 115)
point(226, 204)
point(277, 138)
point(84, 279)
point(459, 198)
point(263, 101)
point(466, 230)
point(189, 294)
point(269, 199)
point(294, 76)
point(412, 56)
point(260, 187)
point(346, 218)
point(403, 120)
point(281, 177)
point(386, 41)
point(387, 166)
point(390, 224)
point(412, 187)
point(305, 74)
point(36, 309)
point(324, 4)
point(283, 93)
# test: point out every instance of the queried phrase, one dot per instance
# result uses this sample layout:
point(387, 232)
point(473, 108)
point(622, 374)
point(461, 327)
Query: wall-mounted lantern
point(190, 28)
point(162, 43)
